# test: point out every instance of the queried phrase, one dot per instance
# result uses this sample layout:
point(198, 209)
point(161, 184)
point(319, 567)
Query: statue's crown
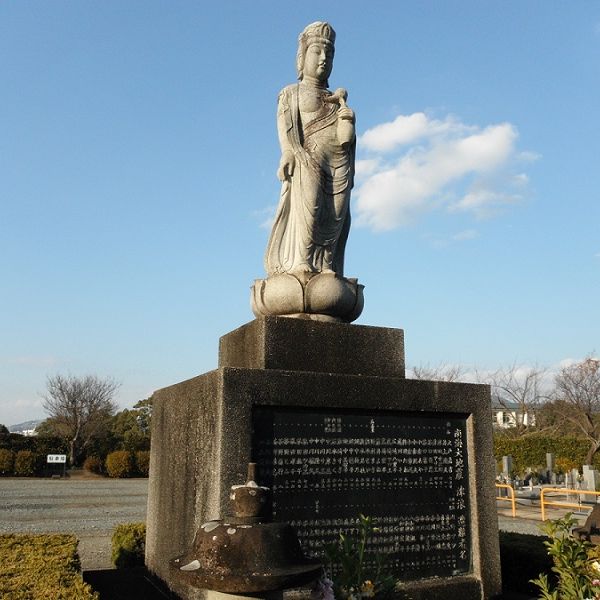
point(319, 30)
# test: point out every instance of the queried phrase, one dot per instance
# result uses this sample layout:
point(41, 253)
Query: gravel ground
point(88, 508)
point(529, 518)
point(519, 525)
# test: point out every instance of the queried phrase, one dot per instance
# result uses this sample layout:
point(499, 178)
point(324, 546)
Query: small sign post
point(57, 459)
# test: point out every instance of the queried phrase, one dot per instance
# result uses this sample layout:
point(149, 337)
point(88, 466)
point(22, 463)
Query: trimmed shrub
point(129, 545)
point(50, 445)
point(530, 451)
point(119, 464)
point(565, 465)
point(7, 461)
point(142, 462)
point(25, 463)
point(522, 558)
point(41, 567)
point(93, 464)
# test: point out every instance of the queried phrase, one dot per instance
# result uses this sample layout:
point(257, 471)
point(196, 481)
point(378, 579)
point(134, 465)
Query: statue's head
point(317, 33)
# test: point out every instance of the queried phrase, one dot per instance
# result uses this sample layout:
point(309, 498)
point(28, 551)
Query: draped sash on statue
point(313, 217)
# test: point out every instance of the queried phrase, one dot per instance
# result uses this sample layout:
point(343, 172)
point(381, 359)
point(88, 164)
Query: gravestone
point(550, 465)
point(323, 407)
point(591, 482)
point(507, 463)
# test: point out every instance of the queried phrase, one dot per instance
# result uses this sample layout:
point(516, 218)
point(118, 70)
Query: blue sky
point(138, 154)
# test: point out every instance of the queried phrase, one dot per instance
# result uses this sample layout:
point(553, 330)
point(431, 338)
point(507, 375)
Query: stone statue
point(305, 254)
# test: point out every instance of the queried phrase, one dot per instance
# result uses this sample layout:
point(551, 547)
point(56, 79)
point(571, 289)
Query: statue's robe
point(313, 217)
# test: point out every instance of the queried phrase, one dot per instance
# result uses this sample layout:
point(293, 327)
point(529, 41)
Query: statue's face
point(318, 61)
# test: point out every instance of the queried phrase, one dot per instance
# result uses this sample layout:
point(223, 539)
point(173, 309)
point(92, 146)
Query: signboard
point(56, 458)
point(406, 470)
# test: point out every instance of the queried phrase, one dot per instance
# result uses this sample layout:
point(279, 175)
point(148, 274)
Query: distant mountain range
point(25, 426)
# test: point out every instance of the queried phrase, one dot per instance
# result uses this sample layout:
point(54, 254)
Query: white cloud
point(444, 241)
point(569, 362)
point(528, 156)
point(366, 167)
point(467, 234)
point(28, 403)
point(452, 166)
point(483, 202)
point(520, 179)
point(407, 129)
point(266, 216)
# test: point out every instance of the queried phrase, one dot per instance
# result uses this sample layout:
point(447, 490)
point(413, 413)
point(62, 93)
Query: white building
point(511, 415)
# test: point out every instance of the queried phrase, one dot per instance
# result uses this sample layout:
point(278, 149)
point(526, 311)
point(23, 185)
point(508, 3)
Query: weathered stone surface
point(302, 345)
point(202, 441)
point(185, 463)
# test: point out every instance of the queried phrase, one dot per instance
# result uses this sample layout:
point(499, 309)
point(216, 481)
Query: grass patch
point(41, 567)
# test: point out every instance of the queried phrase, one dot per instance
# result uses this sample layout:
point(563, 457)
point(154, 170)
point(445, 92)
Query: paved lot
point(88, 508)
point(91, 508)
point(529, 516)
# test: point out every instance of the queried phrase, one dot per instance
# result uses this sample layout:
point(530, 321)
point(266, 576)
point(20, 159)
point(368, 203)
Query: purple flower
point(323, 590)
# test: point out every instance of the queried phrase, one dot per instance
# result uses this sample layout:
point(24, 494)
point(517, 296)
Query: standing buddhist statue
point(305, 254)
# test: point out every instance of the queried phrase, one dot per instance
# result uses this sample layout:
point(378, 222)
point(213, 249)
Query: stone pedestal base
point(202, 434)
point(313, 296)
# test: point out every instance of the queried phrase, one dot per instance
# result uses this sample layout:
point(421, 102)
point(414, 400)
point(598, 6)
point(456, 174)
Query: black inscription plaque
point(407, 470)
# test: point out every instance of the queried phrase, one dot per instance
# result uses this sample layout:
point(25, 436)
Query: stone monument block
point(302, 345)
point(336, 430)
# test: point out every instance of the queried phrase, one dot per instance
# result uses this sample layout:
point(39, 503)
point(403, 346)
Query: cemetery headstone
point(591, 482)
point(507, 467)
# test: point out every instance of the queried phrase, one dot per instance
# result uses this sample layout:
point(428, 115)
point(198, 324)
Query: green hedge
point(129, 545)
point(119, 464)
point(530, 451)
point(93, 464)
point(7, 461)
point(142, 462)
point(25, 463)
point(123, 463)
point(41, 567)
point(39, 444)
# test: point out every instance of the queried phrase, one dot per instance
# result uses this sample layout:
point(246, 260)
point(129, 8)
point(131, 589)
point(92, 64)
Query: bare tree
point(441, 372)
point(79, 408)
point(577, 391)
point(520, 390)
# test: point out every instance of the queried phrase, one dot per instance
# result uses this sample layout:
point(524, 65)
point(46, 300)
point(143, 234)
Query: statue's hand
point(346, 114)
point(286, 166)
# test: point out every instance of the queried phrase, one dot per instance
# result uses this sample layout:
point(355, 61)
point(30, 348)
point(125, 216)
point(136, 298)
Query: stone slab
point(408, 471)
point(303, 345)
